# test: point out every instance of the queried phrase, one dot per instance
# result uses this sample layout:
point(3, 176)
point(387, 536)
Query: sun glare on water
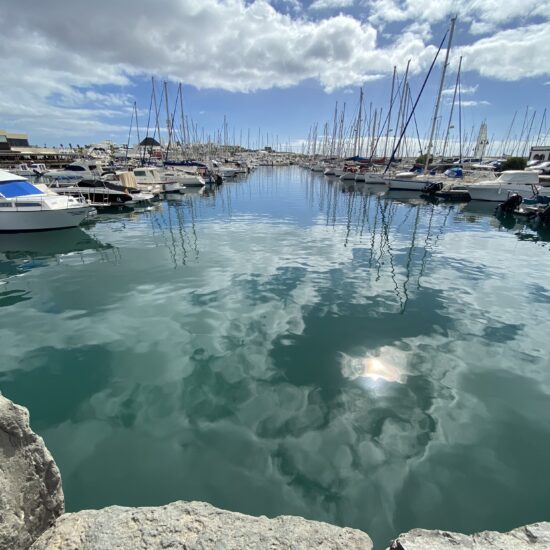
point(384, 367)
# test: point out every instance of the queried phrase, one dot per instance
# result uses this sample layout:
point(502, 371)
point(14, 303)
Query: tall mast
point(183, 132)
point(398, 122)
point(358, 126)
point(452, 109)
point(508, 135)
point(389, 112)
point(441, 84)
point(334, 129)
point(168, 123)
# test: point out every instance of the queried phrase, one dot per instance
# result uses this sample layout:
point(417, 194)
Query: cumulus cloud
point(50, 66)
point(483, 16)
point(510, 54)
point(330, 4)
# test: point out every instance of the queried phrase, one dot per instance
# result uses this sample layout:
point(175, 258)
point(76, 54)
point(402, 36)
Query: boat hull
point(396, 184)
point(493, 193)
point(20, 221)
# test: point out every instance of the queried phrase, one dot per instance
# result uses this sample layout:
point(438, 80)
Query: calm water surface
point(289, 345)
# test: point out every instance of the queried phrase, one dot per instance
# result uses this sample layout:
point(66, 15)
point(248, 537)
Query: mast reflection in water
point(289, 344)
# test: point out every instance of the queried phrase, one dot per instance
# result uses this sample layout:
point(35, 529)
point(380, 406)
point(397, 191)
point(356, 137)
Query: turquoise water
point(288, 345)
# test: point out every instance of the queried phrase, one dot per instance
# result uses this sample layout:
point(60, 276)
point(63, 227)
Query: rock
point(531, 537)
point(31, 497)
point(192, 526)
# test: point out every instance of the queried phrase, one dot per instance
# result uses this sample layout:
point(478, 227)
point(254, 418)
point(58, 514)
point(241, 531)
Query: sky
point(72, 70)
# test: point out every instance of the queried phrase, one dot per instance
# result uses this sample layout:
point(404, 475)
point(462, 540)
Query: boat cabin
point(518, 176)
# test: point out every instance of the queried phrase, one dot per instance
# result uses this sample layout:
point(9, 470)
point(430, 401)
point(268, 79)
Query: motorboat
point(29, 170)
point(370, 177)
point(227, 172)
point(151, 178)
point(520, 182)
point(186, 177)
point(28, 207)
point(101, 193)
point(409, 181)
point(75, 171)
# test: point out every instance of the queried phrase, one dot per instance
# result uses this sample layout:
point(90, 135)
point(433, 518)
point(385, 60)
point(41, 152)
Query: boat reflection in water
point(23, 251)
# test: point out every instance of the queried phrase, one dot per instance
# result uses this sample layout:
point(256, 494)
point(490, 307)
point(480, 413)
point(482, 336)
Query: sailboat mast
point(168, 123)
point(452, 110)
point(389, 112)
point(441, 84)
point(358, 126)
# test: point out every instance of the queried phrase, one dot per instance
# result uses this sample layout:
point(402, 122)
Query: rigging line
point(392, 157)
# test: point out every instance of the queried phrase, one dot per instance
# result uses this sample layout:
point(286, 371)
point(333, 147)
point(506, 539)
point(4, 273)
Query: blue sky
point(72, 70)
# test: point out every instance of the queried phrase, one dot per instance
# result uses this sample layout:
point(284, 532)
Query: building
point(540, 153)
point(15, 148)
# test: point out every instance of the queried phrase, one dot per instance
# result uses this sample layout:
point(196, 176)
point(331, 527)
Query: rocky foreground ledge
point(32, 506)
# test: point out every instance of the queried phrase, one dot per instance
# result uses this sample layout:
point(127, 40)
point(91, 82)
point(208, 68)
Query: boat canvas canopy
point(18, 188)
point(519, 176)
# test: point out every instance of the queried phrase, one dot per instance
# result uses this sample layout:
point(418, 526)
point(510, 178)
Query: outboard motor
point(432, 188)
point(510, 204)
point(544, 217)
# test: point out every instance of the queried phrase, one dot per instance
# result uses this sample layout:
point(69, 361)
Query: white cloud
point(483, 16)
point(463, 90)
point(330, 4)
point(51, 69)
point(510, 54)
point(474, 103)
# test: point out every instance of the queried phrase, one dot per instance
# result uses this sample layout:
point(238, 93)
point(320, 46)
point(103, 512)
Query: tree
point(514, 163)
point(422, 159)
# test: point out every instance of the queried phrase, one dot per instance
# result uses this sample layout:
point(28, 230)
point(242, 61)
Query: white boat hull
point(398, 184)
point(348, 176)
point(495, 193)
point(19, 220)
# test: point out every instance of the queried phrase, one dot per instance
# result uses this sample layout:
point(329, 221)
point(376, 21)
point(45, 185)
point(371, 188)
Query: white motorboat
point(75, 171)
point(409, 181)
point(187, 178)
point(27, 207)
point(369, 177)
point(102, 193)
point(348, 175)
point(29, 170)
point(151, 178)
point(227, 172)
point(524, 183)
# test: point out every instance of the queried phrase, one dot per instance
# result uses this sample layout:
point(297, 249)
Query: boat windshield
point(18, 188)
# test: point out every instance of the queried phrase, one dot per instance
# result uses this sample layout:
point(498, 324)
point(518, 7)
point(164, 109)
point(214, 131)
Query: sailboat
point(411, 181)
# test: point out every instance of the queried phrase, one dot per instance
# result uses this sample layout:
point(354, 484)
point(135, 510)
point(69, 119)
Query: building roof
point(149, 142)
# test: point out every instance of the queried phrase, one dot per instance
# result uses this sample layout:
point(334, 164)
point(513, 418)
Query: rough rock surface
point(192, 525)
point(530, 537)
point(31, 497)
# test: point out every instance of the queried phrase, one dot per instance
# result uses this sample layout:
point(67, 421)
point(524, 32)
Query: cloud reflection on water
point(230, 374)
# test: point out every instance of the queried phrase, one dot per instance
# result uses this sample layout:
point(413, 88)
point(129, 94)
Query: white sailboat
point(411, 181)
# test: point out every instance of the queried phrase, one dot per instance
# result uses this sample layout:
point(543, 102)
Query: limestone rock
point(31, 497)
point(192, 526)
point(530, 537)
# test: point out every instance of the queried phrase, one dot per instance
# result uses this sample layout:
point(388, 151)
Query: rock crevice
point(31, 497)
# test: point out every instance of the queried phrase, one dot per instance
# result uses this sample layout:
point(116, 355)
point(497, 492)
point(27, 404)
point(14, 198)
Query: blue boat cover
point(18, 188)
point(358, 159)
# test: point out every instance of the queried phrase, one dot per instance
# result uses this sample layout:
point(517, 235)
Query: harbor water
point(290, 344)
